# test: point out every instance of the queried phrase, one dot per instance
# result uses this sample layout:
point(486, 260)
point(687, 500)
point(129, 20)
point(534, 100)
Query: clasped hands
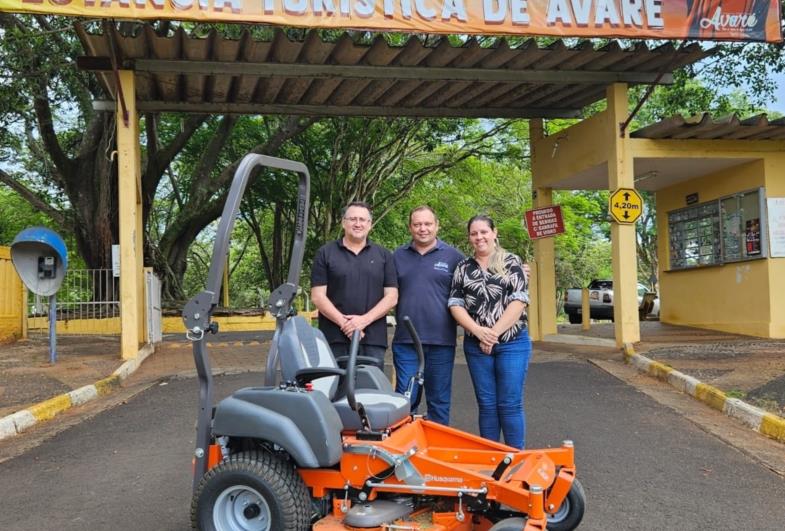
point(487, 337)
point(354, 322)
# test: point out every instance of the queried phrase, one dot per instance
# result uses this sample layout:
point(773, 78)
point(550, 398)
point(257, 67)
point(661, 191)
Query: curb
point(765, 423)
point(588, 341)
point(20, 421)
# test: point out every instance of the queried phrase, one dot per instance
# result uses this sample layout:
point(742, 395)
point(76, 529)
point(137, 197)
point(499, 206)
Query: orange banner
point(742, 20)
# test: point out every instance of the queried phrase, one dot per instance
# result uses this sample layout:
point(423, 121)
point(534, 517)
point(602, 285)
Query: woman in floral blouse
point(488, 298)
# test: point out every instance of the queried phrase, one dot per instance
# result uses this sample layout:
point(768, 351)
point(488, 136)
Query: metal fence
point(86, 294)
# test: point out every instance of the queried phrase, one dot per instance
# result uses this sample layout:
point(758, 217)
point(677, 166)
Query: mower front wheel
point(570, 512)
point(566, 518)
point(251, 492)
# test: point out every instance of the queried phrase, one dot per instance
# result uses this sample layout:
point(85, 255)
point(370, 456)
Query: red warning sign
point(544, 222)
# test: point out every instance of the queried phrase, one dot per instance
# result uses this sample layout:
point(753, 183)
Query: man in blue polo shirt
point(354, 285)
point(425, 267)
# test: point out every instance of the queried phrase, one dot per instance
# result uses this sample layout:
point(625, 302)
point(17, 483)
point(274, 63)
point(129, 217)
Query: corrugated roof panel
point(223, 86)
point(442, 76)
point(584, 55)
point(313, 52)
point(557, 53)
point(528, 54)
point(471, 54)
point(704, 127)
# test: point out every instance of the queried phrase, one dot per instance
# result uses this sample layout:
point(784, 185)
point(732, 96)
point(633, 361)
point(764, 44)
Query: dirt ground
point(27, 377)
point(749, 368)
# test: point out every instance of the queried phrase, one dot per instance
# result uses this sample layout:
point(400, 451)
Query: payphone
point(41, 261)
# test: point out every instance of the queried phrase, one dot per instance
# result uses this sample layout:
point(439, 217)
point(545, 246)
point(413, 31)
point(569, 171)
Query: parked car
point(601, 301)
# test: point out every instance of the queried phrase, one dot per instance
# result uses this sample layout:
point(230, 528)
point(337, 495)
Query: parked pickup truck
point(601, 301)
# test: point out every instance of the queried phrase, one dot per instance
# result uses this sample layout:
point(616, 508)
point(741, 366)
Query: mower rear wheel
point(570, 512)
point(251, 492)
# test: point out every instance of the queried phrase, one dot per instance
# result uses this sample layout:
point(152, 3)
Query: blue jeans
point(439, 360)
point(498, 380)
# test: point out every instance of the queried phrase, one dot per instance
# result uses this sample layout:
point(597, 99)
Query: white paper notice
point(776, 218)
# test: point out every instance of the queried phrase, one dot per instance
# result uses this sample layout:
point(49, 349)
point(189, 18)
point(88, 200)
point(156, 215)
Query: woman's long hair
point(496, 261)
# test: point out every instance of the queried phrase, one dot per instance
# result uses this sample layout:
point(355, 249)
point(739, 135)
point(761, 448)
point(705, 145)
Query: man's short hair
point(361, 204)
point(420, 209)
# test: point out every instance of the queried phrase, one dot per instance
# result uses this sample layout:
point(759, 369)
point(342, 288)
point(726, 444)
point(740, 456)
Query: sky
point(779, 95)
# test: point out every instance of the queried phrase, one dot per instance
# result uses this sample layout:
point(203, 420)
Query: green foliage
point(16, 214)
point(477, 185)
point(750, 67)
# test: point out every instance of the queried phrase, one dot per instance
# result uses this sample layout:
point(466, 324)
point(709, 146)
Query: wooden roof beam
point(336, 110)
point(400, 73)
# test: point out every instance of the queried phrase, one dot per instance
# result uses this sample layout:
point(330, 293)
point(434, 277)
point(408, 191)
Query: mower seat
point(301, 346)
point(382, 409)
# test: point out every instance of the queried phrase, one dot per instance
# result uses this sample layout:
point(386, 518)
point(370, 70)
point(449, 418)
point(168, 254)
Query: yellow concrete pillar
point(141, 307)
point(533, 311)
point(625, 260)
point(130, 220)
point(544, 293)
point(225, 283)
point(545, 256)
point(585, 310)
point(24, 309)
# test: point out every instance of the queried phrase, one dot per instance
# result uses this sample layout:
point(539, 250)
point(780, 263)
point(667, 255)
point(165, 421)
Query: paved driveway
point(643, 466)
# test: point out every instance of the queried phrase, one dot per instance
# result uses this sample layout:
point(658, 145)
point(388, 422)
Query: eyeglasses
point(353, 220)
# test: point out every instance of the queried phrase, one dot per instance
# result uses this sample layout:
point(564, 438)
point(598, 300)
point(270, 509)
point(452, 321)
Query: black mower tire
point(260, 477)
point(570, 514)
point(574, 318)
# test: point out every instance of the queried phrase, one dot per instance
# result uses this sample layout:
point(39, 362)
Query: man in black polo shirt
point(354, 285)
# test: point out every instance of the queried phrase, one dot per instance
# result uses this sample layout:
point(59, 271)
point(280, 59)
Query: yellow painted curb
point(773, 426)
point(106, 385)
point(48, 409)
point(710, 395)
point(660, 370)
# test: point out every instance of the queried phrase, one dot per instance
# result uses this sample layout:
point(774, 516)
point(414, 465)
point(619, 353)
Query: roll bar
point(198, 311)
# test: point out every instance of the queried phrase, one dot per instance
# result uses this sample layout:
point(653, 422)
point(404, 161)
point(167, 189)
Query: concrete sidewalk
point(733, 368)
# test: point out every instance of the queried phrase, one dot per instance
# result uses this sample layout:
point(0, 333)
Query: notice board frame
point(699, 235)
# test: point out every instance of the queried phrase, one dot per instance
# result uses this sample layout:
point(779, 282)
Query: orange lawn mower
point(328, 445)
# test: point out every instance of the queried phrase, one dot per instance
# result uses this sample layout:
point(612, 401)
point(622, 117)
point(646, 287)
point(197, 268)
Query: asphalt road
point(643, 465)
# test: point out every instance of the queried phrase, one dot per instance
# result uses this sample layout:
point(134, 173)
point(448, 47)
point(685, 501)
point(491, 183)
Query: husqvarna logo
point(441, 479)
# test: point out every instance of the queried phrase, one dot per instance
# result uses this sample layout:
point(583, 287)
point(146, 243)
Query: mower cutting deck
point(333, 447)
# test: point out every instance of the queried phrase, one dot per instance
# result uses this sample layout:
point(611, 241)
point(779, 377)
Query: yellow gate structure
point(13, 299)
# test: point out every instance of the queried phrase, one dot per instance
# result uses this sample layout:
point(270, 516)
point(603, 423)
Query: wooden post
point(542, 289)
point(24, 309)
point(225, 283)
point(533, 311)
point(585, 309)
point(623, 241)
point(130, 221)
